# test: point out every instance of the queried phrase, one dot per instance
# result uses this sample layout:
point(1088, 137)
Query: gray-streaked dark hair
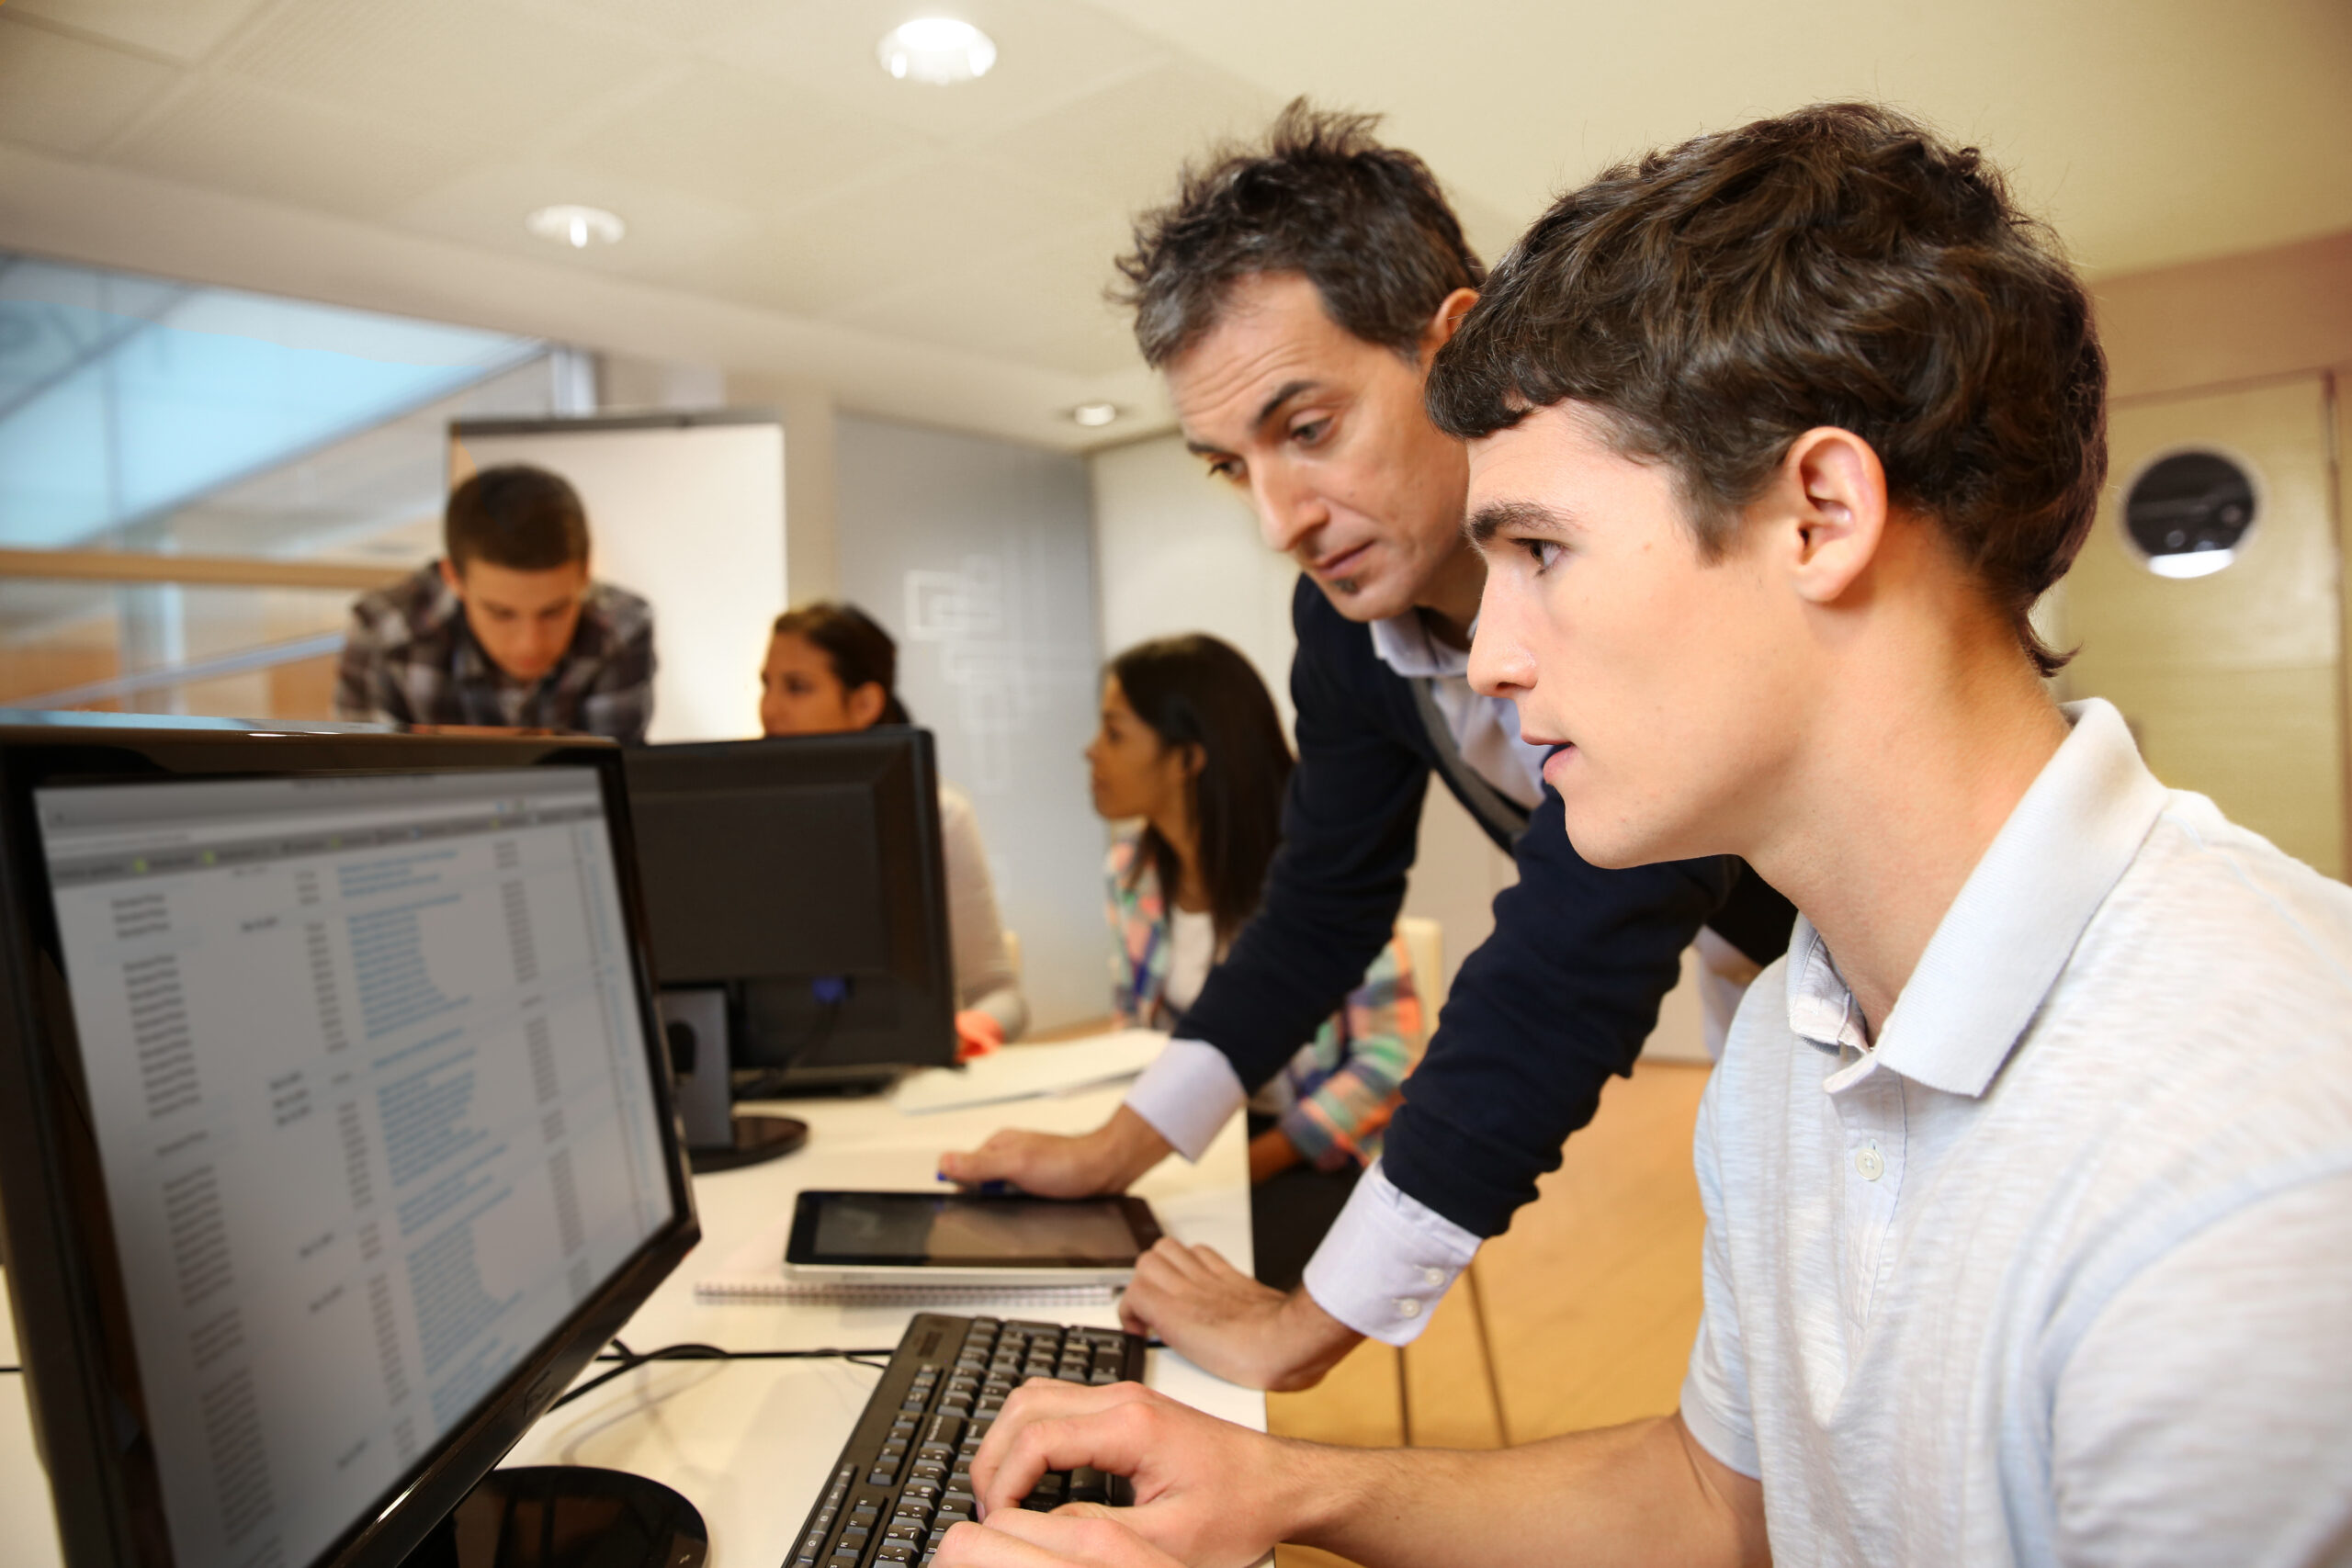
point(1366, 224)
point(1837, 265)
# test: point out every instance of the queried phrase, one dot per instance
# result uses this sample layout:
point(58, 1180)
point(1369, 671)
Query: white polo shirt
point(2061, 1271)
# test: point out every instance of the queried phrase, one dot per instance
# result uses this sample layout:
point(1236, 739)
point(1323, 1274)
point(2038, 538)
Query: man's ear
point(1196, 758)
point(1446, 321)
point(1832, 495)
point(451, 576)
point(866, 705)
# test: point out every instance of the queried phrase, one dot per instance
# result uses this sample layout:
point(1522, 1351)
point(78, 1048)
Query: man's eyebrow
point(1522, 516)
point(1282, 394)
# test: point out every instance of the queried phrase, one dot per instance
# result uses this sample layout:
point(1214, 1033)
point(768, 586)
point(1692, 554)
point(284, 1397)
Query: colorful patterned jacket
point(1335, 1096)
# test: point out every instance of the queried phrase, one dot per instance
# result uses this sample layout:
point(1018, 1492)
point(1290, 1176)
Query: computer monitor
point(803, 874)
point(334, 1137)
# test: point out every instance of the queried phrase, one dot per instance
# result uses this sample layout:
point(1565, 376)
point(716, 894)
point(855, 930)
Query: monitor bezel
point(73, 1330)
point(777, 760)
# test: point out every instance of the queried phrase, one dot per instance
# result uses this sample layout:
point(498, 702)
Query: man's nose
point(1500, 665)
point(1287, 510)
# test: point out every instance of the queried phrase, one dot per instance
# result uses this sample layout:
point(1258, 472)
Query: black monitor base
point(566, 1515)
point(757, 1139)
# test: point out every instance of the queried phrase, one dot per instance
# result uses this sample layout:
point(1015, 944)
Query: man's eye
point(1225, 467)
point(1543, 552)
point(1310, 432)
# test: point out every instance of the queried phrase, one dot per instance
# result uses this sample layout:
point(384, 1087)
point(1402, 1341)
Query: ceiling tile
point(673, 21)
point(1047, 51)
point(236, 136)
point(183, 29)
point(468, 68)
point(743, 139)
point(1123, 146)
point(64, 96)
point(669, 233)
point(1044, 305)
point(945, 217)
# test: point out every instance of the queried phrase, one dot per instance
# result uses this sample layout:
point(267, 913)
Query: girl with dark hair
point(830, 668)
point(1191, 745)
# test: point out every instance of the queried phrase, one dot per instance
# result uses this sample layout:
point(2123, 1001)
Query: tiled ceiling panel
point(670, 231)
point(931, 224)
point(61, 95)
point(750, 142)
point(179, 30)
point(1122, 145)
point(479, 69)
point(1043, 305)
point(240, 137)
point(1047, 51)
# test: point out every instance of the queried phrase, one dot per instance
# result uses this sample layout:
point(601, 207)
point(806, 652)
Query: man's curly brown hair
point(1838, 265)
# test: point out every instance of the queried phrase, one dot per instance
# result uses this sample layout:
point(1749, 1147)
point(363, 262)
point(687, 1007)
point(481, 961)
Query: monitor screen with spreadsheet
point(365, 1070)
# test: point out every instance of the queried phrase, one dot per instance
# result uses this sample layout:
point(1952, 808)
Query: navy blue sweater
point(1560, 996)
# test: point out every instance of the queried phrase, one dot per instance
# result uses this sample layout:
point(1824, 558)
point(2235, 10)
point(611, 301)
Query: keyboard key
point(1088, 1485)
point(896, 1551)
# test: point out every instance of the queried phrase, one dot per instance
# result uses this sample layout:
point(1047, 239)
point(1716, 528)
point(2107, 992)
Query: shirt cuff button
point(1432, 1276)
point(1407, 1307)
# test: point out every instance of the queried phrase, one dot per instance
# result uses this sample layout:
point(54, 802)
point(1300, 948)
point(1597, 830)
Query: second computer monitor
point(804, 875)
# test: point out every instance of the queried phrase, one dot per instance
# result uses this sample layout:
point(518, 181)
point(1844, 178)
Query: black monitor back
point(65, 1276)
point(804, 874)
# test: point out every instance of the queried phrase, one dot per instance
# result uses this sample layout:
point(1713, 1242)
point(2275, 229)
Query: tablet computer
point(955, 1239)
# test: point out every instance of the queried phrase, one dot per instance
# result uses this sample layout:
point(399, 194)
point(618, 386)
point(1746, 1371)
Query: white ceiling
point(939, 253)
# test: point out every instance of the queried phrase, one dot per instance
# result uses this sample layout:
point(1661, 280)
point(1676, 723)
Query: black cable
point(628, 1360)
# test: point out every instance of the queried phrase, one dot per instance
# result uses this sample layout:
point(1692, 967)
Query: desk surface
point(750, 1441)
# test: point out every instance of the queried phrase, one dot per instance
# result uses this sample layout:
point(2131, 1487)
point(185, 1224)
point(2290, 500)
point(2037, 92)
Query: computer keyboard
point(905, 1475)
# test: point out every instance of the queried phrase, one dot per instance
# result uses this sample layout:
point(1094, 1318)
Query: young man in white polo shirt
point(2029, 1172)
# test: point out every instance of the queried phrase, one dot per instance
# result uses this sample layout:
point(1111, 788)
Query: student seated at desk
point(506, 629)
point(830, 668)
point(2027, 1170)
point(1190, 744)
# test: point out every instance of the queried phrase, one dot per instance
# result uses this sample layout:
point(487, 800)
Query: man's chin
point(1613, 843)
point(1361, 599)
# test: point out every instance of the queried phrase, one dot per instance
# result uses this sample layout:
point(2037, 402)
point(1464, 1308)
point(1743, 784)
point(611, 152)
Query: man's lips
point(1339, 565)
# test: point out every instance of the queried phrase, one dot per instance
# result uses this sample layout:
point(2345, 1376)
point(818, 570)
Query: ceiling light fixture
point(1094, 416)
point(579, 227)
point(937, 50)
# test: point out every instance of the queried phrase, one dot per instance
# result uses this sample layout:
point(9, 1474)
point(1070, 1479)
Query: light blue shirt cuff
point(1388, 1262)
point(1188, 1095)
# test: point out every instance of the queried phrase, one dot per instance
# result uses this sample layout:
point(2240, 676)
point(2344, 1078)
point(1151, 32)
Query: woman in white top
point(831, 668)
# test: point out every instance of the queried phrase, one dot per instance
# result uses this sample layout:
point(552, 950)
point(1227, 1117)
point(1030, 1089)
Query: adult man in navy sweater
point(1294, 298)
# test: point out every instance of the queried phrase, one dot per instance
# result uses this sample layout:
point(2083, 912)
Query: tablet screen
point(963, 1230)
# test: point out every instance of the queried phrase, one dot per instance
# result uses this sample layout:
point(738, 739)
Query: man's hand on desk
point(1051, 1166)
point(1224, 1321)
point(1207, 1493)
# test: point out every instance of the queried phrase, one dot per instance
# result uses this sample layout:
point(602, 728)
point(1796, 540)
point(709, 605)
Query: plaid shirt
point(1335, 1096)
point(410, 658)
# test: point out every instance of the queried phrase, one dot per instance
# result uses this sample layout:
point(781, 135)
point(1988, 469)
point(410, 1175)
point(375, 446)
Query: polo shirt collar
point(2012, 929)
point(1404, 644)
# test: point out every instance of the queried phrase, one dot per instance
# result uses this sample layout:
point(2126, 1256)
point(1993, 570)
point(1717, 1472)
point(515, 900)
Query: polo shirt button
point(1407, 1307)
point(1870, 1162)
point(1432, 1276)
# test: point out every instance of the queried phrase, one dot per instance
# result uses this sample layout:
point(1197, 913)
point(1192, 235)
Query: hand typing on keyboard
point(1207, 1493)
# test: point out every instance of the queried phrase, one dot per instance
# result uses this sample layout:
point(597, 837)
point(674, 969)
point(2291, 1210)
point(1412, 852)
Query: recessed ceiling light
point(1094, 416)
point(579, 227)
point(938, 50)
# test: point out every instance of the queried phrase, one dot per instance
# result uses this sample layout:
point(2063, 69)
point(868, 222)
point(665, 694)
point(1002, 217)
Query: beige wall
point(2233, 334)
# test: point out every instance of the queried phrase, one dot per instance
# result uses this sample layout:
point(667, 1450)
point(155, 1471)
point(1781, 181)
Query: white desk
point(749, 1442)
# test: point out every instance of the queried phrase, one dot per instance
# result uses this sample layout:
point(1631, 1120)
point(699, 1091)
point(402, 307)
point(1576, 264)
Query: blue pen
point(994, 1188)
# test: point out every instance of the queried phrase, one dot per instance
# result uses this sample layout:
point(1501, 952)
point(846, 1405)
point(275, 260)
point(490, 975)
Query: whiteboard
point(686, 510)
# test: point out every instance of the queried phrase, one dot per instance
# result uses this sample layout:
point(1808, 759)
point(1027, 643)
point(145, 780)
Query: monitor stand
point(758, 1139)
point(566, 1515)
